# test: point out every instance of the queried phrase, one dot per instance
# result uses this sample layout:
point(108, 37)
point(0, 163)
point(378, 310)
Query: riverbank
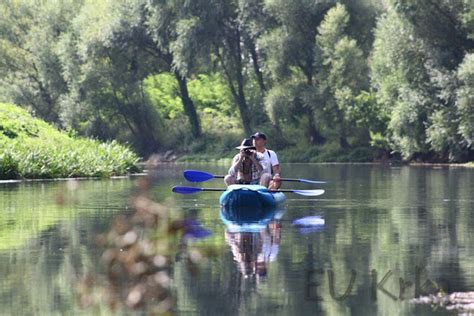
point(318, 155)
point(33, 149)
point(308, 154)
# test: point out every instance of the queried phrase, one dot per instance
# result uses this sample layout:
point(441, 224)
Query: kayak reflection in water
point(254, 250)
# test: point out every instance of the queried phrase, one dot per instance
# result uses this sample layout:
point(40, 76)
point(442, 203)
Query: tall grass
point(31, 148)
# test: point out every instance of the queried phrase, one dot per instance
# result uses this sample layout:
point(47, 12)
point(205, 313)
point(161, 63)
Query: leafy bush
point(330, 152)
point(31, 148)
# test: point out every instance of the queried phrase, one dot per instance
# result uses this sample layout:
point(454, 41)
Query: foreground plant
point(139, 252)
point(31, 148)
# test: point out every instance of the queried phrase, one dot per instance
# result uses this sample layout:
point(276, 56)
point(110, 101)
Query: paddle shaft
point(190, 190)
point(224, 189)
point(201, 176)
point(282, 179)
point(212, 189)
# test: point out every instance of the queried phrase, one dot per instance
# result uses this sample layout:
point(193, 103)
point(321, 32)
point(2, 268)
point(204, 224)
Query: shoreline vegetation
point(33, 149)
point(330, 81)
point(171, 157)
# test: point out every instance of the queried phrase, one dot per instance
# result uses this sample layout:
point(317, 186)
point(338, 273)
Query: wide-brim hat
point(247, 143)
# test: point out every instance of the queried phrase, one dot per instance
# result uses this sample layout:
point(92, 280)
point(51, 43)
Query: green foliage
point(332, 29)
point(31, 148)
point(162, 91)
point(276, 45)
point(415, 85)
point(468, 18)
point(367, 111)
point(186, 30)
point(330, 152)
point(114, 55)
point(280, 101)
point(30, 70)
point(465, 100)
point(439, 24)
point(398, 76)
point(161, 75)
point(211, 98)
point(342, 73)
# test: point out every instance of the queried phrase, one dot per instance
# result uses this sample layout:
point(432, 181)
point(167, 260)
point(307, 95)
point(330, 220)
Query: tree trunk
point(243, 108)
point(244, 112)
point(188, 105)
point(256, 66)
point(235, 58)
point(239, 98)
point(315, 136)
point(343, 142)
point(143, 126)
point(343, 135)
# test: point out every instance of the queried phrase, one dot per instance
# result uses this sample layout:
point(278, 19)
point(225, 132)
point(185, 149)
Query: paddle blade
point(197, 176)
point(194, 230)
point(309, 224)
point(309, 221)
point(311, 181)
point(309, 192)
point(185, 190)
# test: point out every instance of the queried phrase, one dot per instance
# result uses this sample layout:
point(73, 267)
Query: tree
point(414, 71)
point(342, 69)
point(162, 24)
point(213, 33)
point(399, 79)
point(254, 21)
point(465, 101)
point(30, 68)
point(439, 24)
point(114, 55)
point(289, 48)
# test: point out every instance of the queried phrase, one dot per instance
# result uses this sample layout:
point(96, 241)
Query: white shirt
point(269, 160)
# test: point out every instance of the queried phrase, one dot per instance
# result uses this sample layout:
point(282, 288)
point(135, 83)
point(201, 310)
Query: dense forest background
point(325, 80)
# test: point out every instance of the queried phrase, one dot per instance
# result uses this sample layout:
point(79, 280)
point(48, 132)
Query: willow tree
point(342, 70)
point(290, 50)
point(110, 53)
point(162, 24)
point(446, 30)
point(398, 76)
point(30, 68)
point(420, 76)
point(212, 32)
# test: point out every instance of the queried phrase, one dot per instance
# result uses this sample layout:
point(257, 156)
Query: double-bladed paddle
point(190, 190)
point(201, 176)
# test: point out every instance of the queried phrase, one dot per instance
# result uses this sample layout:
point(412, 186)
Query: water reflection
point(254, 241)
point(389, 226)
point(310, 224)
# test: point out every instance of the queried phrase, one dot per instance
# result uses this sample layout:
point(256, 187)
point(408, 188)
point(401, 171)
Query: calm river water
point(389, 233)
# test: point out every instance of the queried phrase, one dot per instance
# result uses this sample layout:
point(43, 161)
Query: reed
point(31, 148)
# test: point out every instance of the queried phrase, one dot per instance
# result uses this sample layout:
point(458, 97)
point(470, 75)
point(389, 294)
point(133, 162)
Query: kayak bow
point(250, 195)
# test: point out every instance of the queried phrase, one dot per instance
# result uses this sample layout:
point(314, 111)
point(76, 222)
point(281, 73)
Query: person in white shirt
point(271, 166)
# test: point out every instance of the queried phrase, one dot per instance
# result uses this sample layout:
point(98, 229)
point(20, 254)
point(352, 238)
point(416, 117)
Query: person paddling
point(271, 166)
point(246, 167)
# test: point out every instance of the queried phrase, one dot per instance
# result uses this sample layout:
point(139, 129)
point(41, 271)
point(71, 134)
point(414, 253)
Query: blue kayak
point(250, 196)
